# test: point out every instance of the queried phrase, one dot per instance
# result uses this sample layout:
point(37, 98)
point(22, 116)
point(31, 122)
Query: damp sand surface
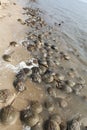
point(12, 30)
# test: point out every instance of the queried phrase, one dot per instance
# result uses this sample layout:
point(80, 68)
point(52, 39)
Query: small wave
point(22, 65)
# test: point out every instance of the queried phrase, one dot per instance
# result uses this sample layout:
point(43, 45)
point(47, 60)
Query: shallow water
point(74, 29)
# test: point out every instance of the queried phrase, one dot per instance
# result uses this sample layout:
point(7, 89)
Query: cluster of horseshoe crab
point(50, 72)
point(8, 115)
point(32, 116)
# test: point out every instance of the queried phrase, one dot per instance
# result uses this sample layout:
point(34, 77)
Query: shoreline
point(57, 78)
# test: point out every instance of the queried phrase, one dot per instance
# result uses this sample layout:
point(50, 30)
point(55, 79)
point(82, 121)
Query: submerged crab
point(36, 107)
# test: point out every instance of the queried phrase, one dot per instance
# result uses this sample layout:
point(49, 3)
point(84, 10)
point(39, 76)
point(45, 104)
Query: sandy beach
point(42, 62)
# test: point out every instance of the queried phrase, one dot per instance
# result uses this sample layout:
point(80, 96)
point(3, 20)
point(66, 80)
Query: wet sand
point(12, 30)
